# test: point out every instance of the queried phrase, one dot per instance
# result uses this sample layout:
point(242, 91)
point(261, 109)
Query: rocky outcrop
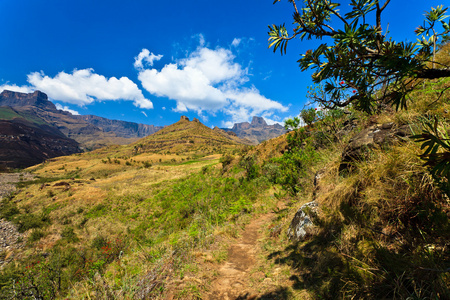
point(257, 131)
point(375, 136)
point(16, 99)
point(302, 225)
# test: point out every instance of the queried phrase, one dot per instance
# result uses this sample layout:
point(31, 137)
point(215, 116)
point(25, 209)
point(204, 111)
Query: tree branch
point(433, 73)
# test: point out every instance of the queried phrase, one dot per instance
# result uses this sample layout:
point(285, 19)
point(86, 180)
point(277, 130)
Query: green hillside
point(8, 113)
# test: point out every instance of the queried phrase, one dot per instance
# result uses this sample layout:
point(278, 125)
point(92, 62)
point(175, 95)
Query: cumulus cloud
point(16, 88)
point(145, 58)
point(84, 87)
point(208, 80)
point(66, 108)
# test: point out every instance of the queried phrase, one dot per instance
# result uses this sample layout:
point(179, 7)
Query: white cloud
point(252, 99)
point(15, 88)
point(84, 87)
point(66, 108)
point(236, 42)
point(143, 112)
point(145, 57)
point(208, 80)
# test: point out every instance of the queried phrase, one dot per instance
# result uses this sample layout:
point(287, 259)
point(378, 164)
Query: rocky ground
point(10, 238)
point(8, 181)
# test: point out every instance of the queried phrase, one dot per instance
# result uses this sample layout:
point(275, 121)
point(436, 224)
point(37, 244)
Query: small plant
point(99, 242)
point(36, 235)
point(69, 234)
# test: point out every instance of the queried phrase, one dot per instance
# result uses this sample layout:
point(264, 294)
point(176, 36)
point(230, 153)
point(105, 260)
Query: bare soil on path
point(235, 274)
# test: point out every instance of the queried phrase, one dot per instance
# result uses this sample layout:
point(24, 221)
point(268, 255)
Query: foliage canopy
point(361, 60)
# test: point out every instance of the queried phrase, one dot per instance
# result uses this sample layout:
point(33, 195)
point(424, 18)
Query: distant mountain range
point(91, 132)
point(32, 129)
point(257, 131)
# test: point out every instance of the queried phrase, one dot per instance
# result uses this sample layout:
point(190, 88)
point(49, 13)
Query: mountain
point(26, 141)
point(90, 131)
point(257, 131)
point(120, 128)
point(189, 136)
point(15, 99)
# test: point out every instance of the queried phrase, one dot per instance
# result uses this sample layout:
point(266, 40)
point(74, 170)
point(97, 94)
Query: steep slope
point(257, 131)
point(23, 144)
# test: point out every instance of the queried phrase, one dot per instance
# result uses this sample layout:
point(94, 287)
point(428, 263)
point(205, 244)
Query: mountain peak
point(17, 99)
point(258, 122)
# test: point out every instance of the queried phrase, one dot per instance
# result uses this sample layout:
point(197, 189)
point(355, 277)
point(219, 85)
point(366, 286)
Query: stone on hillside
point(301, 225)
point(184, 118)
point(373, 137)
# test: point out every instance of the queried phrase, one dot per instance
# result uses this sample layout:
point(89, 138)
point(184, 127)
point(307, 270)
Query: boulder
point(375, 136)
point(302, 225)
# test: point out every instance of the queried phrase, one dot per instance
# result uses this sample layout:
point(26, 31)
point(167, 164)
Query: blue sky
point(152, 61)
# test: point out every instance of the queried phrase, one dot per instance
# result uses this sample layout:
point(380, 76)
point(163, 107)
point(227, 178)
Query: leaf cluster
point(436, 143)
point(358, 62)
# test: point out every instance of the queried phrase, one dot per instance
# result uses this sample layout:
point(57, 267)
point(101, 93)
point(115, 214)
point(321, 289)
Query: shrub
point(36, 235)
point(248, 162)
point(99, 242)
point(226, 160)
point(308, 115)
point(69, 234)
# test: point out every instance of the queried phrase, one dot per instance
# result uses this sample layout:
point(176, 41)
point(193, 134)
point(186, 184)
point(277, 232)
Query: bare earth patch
point(233, 281)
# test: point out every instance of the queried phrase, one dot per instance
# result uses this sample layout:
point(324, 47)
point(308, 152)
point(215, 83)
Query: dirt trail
point(233, 280)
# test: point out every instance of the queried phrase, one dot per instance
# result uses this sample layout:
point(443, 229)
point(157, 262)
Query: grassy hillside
point(117, 215)
point(8, 113)
point(188, 137)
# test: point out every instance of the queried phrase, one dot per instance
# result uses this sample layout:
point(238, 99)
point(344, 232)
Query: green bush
point(36, 235)
point(31, 221)
point(226, 160)
point(308, 115)
point(248, 163)
point(99, 242)
point(69, 234)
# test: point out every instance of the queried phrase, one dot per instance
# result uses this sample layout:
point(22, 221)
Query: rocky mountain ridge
point(257, 131)
point(90, 131)
point(120, 128)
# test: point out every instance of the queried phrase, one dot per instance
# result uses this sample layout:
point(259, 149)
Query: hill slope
point(23, 144)
point(189, 136)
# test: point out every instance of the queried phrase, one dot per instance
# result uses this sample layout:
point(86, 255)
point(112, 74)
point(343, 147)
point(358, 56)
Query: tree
point(361, 65)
